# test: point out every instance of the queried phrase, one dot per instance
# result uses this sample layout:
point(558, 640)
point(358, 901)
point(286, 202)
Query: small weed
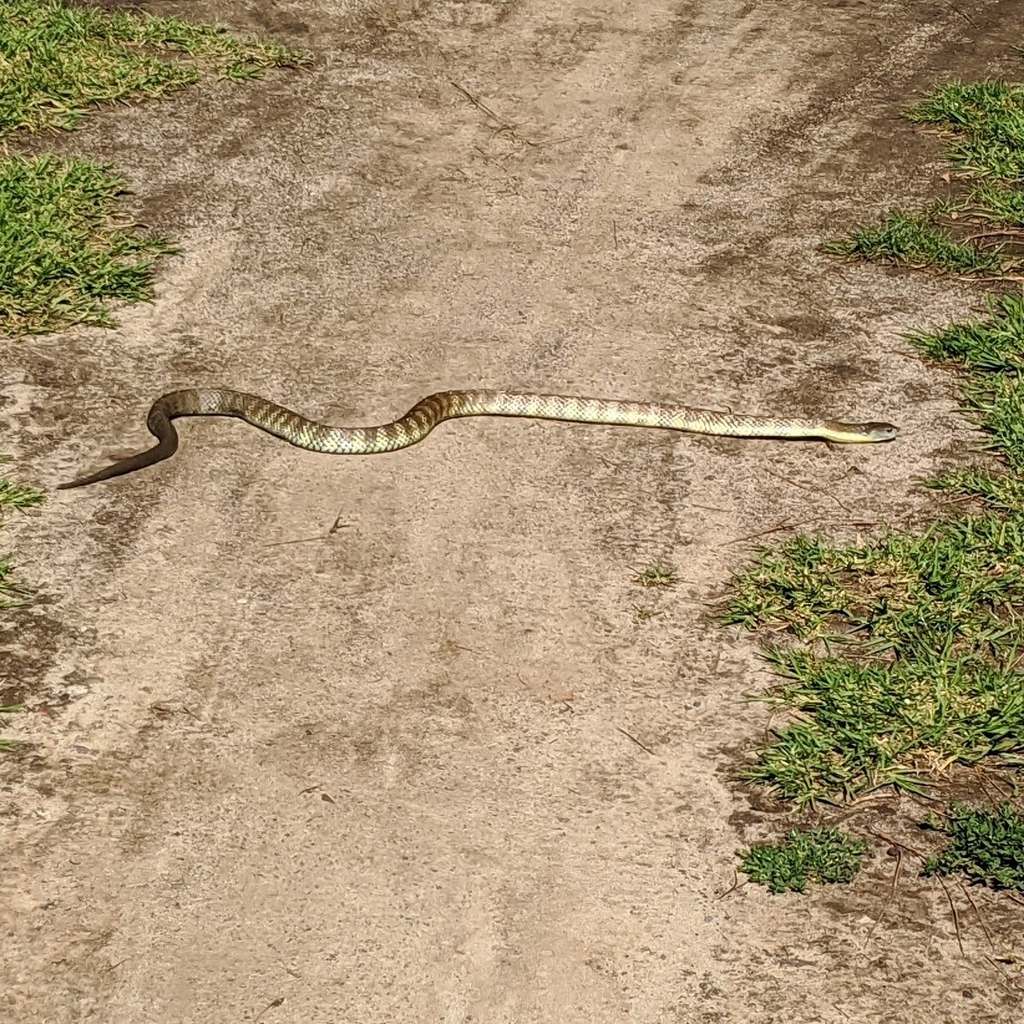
point(657, 575)
point(14, 497)
point(985, 845)
point(823, 855)
point(644, 613)
point(18, 497)
point(8, 709)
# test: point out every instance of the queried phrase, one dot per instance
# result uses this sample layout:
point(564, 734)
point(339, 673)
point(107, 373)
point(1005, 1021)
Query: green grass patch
point(981, 230)
point(823, 855)
point(985, 845)
point(991, 352)
point(921, 635)
point(993, 344)
point(985, 124)
point(58, 61)
point(18, 497)
point(917, 241)
point(991, 202)
point(911, 644)
point(62, 254)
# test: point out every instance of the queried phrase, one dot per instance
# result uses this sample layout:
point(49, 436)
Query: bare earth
point(396, 738)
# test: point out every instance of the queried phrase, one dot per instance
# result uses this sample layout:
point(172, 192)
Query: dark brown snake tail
point(446, 405)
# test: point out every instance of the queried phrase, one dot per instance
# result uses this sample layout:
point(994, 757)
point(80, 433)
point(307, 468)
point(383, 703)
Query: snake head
point(860, 433)
point(881, 431)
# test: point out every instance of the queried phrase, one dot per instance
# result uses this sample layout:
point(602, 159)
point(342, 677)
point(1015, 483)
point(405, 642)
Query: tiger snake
point(426, 414)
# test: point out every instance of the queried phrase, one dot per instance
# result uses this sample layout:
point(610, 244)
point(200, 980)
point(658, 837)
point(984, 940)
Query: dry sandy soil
point(386, 739)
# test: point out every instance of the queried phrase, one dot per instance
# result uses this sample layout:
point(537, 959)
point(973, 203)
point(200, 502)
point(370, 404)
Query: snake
point(426, 414)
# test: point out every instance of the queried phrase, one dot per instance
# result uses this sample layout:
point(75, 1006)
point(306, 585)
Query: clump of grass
point(985, 845)
point(657, 575)
point(644, 613)
point(61, 253)
point(59, 61)
point(823, 855)
point(18, 497)
point(950, 590)
point(991, 350)
point(994, 344)
point(991, 201)
point(985, 121)
point(921, 636)
point(864, 726)
point(915, 241)
point(1001, 492)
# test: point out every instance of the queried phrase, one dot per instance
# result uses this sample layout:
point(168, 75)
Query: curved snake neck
point(446, 405)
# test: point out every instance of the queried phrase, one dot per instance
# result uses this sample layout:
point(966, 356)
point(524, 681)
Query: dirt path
point(431, 765)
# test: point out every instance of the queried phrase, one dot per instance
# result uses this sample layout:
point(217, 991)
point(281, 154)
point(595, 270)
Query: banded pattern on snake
point(447, 405)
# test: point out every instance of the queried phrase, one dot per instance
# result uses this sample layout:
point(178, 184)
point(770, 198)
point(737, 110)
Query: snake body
point(426, 414)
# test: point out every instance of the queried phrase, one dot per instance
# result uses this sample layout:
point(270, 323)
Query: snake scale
point(426, 414)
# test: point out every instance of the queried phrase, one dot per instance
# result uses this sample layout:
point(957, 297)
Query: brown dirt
point(385, 772)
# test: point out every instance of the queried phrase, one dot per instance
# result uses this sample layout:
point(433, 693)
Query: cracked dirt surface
point(387, 739)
